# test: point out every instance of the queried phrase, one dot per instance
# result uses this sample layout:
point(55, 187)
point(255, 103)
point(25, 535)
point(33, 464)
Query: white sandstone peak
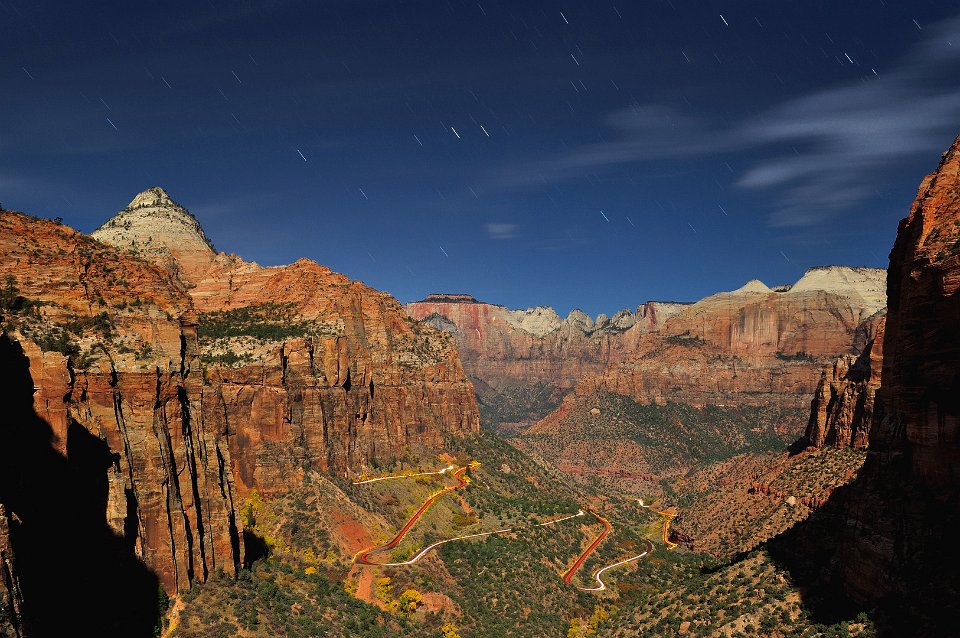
point(754, 285)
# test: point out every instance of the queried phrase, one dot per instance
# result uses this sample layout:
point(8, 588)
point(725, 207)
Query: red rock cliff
point(523, 356)
point(102, 384)
point(343, 378)
point(841, 412)
point(752, 346)
point(904, 511)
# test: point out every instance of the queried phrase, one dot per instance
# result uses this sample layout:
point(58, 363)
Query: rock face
point(841, 412)
point(342, 377)
point(752, 346)
point(903, 513)
point(141, 412)
point(816, 316)
point(518, 356)
point(102, 386)
point(160, 231)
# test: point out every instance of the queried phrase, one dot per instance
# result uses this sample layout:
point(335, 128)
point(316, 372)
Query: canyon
point(154, 385)
point(522, 362)
point(752, 346)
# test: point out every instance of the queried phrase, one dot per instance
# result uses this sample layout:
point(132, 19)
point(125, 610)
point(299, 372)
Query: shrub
point(409, 601)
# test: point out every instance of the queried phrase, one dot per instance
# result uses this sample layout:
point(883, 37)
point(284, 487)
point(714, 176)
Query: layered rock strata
point(529, 355)
point(102, 389)
point(903, 514)
point(841, 411)
point(309, 370)
point(152, 383)
point(752, 346)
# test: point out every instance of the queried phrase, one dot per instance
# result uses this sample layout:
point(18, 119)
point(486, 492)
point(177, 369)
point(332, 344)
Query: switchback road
point(599, 539)
point(362, 558)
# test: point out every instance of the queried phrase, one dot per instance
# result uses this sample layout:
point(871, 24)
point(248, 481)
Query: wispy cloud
point(851, 132)
point(817, 154)
point(502, 231)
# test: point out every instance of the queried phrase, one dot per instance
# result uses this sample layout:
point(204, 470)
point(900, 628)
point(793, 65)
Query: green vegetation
point(268, 322)
point(101, 323)
point(670, 439)
point(685, 339)
point(57, 340)
point(749, 597)
point(800, 355)
point(226, 358)
point(276, 599)
point(11, 301)
point(521, 403)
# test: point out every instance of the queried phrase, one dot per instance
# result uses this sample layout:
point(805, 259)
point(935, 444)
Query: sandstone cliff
point(306, 369)
point(523, 361)
point(101, 383)
point(841, 412)
point(752, 346)
point(903, 514)
point(147, 398)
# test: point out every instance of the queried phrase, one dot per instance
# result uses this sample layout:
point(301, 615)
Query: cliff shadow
point(916, 594)
point(808, 551)
point(76, 575)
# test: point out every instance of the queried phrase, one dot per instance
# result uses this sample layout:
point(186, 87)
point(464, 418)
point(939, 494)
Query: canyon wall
point(149, 385)
point(102, 390)
point(902, 514)
point(309, 371)
point(750, 347)
point(841, 411)
point(523, 361)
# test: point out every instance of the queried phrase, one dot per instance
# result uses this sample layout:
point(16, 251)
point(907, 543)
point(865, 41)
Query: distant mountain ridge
point(663, 350)
point(522, 361)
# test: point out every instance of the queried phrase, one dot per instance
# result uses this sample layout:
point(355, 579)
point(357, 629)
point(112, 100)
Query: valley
point(260, 451)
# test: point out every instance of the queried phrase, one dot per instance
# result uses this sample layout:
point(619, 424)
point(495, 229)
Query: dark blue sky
point(577, 154)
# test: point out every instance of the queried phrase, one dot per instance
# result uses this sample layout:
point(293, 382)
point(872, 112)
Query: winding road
point(363, 558)
point(607, 528)
point(423, 552)
point(401, 476)
point(602, 585)
point(667, 517)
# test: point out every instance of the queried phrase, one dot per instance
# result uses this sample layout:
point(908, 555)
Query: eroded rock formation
point(102, 389)
point(752, 346)
point(903, 513)
point(523, 361)
point(313, 371)
point(841, 412)
point(157, 426)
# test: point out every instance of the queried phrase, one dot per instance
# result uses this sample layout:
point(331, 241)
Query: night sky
point(573, 154)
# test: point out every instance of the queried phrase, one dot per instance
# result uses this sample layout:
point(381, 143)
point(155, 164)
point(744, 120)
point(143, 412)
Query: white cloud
point(502, 231)
point(845, 134)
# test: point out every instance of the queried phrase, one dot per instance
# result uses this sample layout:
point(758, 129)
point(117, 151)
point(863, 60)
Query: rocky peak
point(449, 298)
point(867, 284)
point(754, 285)
point(155, 196)
point(158, 229)
point(580, 319)
point(538, 321)
point(623, 320)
